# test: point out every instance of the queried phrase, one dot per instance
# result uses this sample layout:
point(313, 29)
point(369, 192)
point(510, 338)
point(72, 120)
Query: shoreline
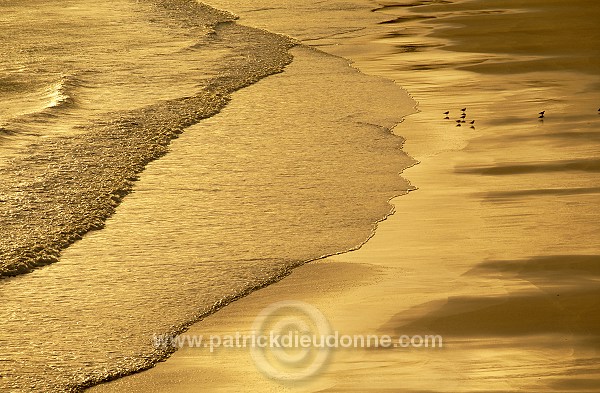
point(299, 53)
point(364, 273)
point(150, 254)
point(502, 322)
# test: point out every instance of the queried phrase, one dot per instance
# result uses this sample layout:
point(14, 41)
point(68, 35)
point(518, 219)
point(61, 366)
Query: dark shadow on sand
point(500, 195)
point(580, 165)
point(565, 300)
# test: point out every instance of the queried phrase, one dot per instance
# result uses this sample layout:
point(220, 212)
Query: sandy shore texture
point(497, 250)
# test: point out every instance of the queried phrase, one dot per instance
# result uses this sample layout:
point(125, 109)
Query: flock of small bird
point(463, 117)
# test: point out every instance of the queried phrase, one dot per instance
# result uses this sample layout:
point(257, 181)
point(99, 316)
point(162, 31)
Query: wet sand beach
point(169, 168)
point(497, 250)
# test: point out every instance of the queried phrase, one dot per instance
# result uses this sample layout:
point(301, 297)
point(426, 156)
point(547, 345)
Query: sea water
point(104, 243)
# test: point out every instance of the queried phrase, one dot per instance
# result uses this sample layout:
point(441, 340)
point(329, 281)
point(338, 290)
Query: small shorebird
point(458, 125)
point(472, 122)
point(458, 121)
point(462, 121)
point(463, 115)
point(448, 112)
point(463, 109)
point(542, 113)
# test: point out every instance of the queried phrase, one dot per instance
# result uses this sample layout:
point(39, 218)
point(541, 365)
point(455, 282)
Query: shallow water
point(56, 189)
point(239, 199)
point(64, 65)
